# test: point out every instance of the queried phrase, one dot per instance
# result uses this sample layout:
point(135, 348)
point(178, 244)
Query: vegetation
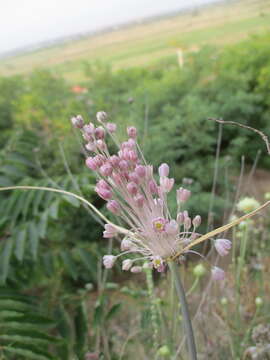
point(56, 302)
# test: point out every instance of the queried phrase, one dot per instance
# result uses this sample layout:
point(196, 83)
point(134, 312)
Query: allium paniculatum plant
point(127, 183)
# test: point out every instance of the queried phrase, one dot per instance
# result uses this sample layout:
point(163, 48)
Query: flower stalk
point(185, 312)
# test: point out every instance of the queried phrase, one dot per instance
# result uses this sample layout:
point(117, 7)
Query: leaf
point(69, 264)
point(28, 201)
point(88, 262)
point(13, 171)
point(28, 352)
point(4, 260)
point(20, 244)
point(42, 227)
point(81, 326)
point(5, 181)
point(20, 159)
point(37, 201)
point(33, 239)
point(72, 200)
point(113, 311)
point(53, 210)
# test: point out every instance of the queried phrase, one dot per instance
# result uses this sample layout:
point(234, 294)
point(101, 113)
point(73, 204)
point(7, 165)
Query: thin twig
point(262, 135)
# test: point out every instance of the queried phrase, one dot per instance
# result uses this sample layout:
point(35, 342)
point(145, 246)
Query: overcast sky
point(27, 22)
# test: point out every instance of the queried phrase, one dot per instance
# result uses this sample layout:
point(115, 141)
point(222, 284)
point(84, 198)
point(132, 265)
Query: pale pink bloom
point(106, 169)
point(164, 170)
point(197, 221)
point(223, 246)
point(132, 188)
point(99, 133)
point(140, 171)
point(108, 261)
point(102, 116)
point(104, 193)
point(91, 146)
point(182, 195)
point(114, 160)
point(180, 218)
point(89, 129)
point(126, 244)
point(166, 184)
point(111, 127)
point(132, 132)
point(101, 145)
point(172, 228)
point(126, 264)
point(136, 269)
point(110, 231)
point(91, 163)
point(113, 206)
point(217, 274)
point(77, 121)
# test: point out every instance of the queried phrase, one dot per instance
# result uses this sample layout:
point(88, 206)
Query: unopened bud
point(102, 116)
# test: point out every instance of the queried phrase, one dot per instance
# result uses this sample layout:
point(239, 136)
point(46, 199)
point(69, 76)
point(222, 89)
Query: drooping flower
point(217, 273)
point(134, 194)
point(223, 246)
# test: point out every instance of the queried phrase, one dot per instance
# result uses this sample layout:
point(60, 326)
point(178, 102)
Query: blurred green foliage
point(49, 245)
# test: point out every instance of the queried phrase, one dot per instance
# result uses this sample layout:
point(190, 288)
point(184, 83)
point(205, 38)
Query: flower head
point(134, 194)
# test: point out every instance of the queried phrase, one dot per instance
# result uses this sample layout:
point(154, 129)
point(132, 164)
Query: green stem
point(185, 312)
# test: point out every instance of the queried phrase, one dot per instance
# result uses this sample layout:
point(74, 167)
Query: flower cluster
point(132, 192)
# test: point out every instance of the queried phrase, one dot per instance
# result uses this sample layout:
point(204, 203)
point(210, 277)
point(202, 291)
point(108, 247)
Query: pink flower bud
point(180, 218)
point(182, 195)
point(108, 261)
point(132, 132)
point(187, 223)
point(104, 193)
point(166, 184)
point(164, 170)
point(123, 165)
point(136, 269)
point(91, 163)
point(101, 145)
point(223, 246)
point(110, 231)
point(197, 221)
point(125, 154)
point(113, 206)
point(139, 200)
point(126, 264)
point(132, 188)
point(171, 228)
point(131, 143)
point(134, 177)
point(217, 273)
point(102, 184)
point(101, 116)
point(99, 133)
point(100, 160)
point(126, 245)
point(91, 146)
point(117, 178)
point(153, 187)
point(114, 160)
point(132, 156)
point(111, 127)
point(140, 171)
point(77, 121)
point(106, 169)
point(89, 129)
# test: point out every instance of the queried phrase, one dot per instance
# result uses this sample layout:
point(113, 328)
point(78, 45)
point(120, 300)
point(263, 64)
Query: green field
point(142, 44)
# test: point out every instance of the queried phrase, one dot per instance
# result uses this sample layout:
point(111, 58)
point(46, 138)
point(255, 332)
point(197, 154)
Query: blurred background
point(163, 66)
